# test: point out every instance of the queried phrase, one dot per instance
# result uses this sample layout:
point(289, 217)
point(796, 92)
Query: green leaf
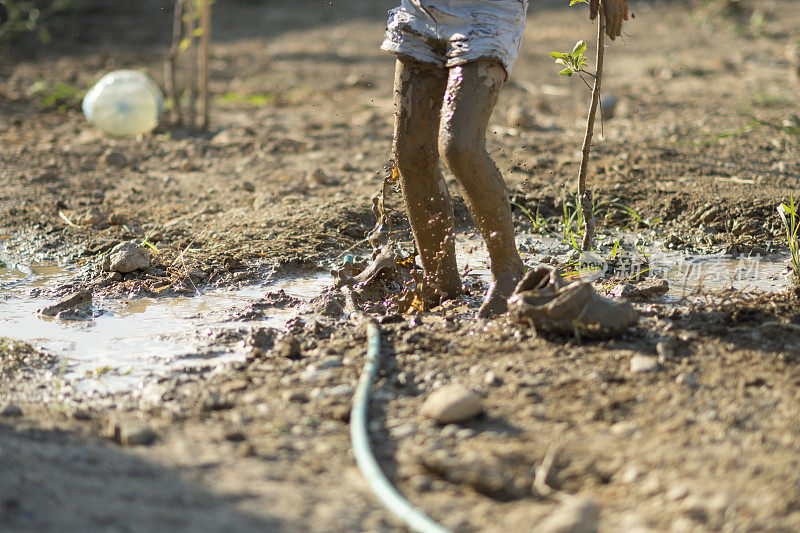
point(561, 62)
point(557, 55)
point(566, 72)
point(573, 2)
point(579, 49)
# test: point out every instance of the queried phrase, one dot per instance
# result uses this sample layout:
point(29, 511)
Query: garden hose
point(359, 437)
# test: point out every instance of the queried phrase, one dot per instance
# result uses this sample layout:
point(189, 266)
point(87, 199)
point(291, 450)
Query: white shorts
point(454, 32)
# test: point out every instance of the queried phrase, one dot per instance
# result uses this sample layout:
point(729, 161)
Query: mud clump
point(126, 257)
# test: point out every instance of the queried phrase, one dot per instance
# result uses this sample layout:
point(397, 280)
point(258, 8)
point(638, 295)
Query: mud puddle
point(130, 341)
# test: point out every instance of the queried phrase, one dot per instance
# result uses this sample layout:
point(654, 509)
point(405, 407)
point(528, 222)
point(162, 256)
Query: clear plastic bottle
point(124, 103)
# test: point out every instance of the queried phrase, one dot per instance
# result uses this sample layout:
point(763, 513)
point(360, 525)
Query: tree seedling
point(574, 63)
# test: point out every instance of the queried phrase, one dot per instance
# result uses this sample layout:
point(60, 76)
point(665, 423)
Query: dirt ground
point(702, 146)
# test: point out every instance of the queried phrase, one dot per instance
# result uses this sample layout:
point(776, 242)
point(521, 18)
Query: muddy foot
point(495, 302)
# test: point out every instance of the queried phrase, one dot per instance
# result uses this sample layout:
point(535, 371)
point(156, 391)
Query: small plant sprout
point(791, 222)
point(574, 63)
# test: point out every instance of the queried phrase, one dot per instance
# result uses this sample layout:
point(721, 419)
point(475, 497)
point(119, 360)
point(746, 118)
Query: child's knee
point(459, 152)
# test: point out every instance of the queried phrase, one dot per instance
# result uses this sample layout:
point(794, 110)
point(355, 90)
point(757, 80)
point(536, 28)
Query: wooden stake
point(206, 43)
point(192, 51)
point(585, 195)
point(174, 50)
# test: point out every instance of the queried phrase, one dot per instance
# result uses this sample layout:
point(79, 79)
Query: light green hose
point(359, 436)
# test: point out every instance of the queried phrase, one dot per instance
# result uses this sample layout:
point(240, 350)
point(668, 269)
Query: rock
point(76, 300)
point(126, 257)
point(647, 289)
point(491, 379)
point(574, 515)
point(136, 434)
point(294, 396)
point(624, 428)
point(10, 410)
point(93, 217)
point(248, 186)
point(643, 364)
point(114, 159)
point(318, 177)
point(452, 404)
point(403, 431)
point(688, 379)
point(340, 391)
point(288, 347)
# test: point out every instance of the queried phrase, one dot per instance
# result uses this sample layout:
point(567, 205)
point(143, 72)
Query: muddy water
point(129, 342)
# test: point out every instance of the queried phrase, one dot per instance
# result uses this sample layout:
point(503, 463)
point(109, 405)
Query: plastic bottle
point(124, 103)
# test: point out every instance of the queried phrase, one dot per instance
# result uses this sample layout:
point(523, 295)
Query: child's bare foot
point(495, 302)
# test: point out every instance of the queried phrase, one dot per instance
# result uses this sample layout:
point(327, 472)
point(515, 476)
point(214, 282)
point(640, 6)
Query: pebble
point(449, 431)
point(340, 390)
point(10, 410)
point(451, 404)
point(297, 396)
point(688, 379)
point(114, 159)
point(677, 492)
point(574, 515)
point(491, 379)
point(136, 434)
point(624, 428)
point(248, 186)
point(126, 257)
point(643, 364)
point(403, 431)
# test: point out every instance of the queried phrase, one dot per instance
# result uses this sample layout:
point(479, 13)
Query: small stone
point(10, 410)
point(235, 435)
point(666, 350)
point(686, 378)
point(77, 300)
point(339, 391)
point(93, 217)
point(136, 434)
point(403, 431)
point(449, 431)
point(452, 404)
point(288, 347)
point(248, 186)
point(318, 177)
point(126, 257)
point(296, 396)
point(677, 492)
point(624, 429)
point(573, 515)
point(643, 364)
point(465, 433)
point(114, 159)
point(491, 379)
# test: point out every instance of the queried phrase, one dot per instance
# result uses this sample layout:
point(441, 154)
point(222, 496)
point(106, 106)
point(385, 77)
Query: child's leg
point(471, 94)
point(418, 92)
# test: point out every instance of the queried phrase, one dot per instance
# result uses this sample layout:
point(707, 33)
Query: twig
point(543, 471)
point(177, 37)
point(585, 195)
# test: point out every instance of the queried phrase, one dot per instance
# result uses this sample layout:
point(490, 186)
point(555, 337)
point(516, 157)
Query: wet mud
point(211, 390)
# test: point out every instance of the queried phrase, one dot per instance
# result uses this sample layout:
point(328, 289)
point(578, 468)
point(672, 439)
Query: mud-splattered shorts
point(454, 32)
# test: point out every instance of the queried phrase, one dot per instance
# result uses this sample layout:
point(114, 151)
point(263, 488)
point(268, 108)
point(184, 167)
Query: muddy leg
point(418, 92)
point(471, 94)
